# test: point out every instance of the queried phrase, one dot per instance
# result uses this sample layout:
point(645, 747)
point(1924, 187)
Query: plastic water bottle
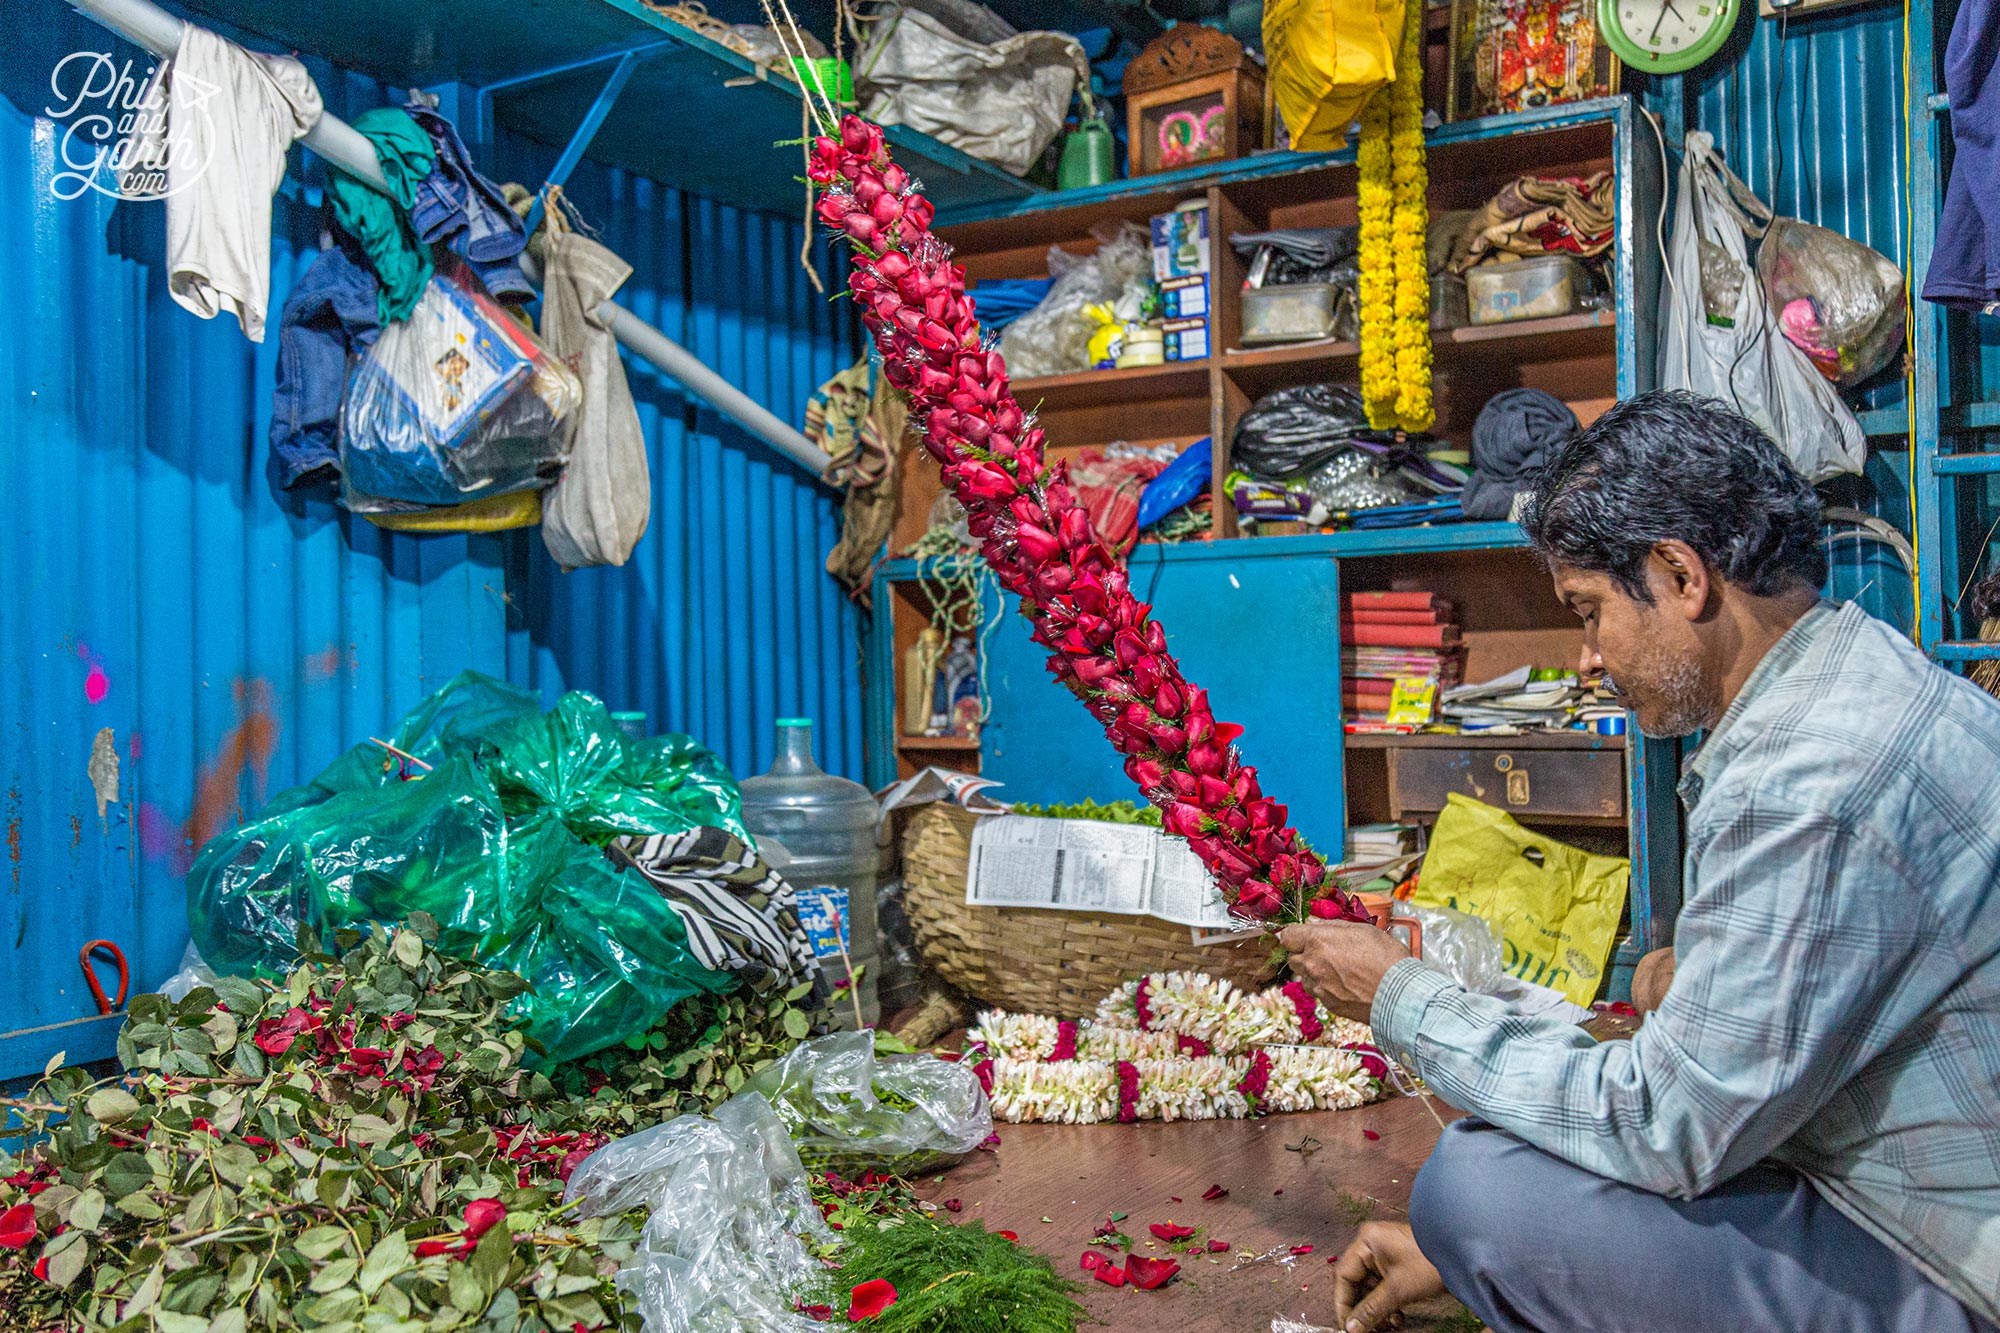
point(818, 831)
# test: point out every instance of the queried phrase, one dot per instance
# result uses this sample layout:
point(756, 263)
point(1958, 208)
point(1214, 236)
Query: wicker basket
point(1035, 961)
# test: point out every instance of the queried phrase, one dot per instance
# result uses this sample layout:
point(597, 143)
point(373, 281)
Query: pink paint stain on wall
point(95, 684)
point(158, 834)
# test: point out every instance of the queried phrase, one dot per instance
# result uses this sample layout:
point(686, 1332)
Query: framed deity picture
point(1515, 55)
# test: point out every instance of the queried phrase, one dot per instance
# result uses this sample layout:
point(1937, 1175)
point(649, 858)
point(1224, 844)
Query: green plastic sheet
point(502, 841)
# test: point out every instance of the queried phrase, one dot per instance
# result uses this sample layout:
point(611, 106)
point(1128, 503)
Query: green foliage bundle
point(1116, 812)
point(955, 1279)
point(355, 1149)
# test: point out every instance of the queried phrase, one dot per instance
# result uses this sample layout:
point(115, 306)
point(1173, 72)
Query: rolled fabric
point(1510, 442)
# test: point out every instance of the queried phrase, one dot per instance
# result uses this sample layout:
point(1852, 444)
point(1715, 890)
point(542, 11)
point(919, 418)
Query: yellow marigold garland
point(1395, 214)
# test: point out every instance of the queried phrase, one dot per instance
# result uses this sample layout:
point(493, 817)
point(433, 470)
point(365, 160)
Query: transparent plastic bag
point(194, 972)
point(849, 1111)
point(1054, 337)
point(456, 403)
point(1838, 301)
point(1464, 947)
point(724, 1249)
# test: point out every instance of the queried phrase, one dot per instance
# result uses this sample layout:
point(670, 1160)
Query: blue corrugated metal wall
point(1809, 112)
point(227, 644)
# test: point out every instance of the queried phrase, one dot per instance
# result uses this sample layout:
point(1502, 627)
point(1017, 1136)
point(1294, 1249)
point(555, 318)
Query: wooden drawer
point(1548, 784)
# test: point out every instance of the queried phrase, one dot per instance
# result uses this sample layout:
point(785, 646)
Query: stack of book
point(1391, 636)
point(1383, 852)
point(1528, 700)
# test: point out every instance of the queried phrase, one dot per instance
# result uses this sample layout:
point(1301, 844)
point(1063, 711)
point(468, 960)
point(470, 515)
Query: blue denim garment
point(329, 315)
point(457, 205)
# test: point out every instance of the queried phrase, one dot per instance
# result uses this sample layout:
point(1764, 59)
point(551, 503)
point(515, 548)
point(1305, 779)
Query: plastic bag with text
point(1556, 906)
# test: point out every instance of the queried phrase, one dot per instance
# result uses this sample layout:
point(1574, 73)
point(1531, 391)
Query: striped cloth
point(740, 916)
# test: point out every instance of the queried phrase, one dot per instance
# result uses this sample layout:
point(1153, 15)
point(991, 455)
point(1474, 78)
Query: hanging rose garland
point(1104, 645)
point(1395, 278)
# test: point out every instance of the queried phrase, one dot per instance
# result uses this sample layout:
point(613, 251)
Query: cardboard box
point(1186, 339)
point(1180, 243)
point(1185, 297)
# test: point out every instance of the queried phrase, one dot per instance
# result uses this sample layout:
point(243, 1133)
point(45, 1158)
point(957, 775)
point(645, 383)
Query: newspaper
point(1084, 865)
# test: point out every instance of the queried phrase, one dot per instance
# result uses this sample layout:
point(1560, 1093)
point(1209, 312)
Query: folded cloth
point(1510, 441)
point(1538, 215)
point(469, 213)
point(860, 421)
point(380, 223)
point(740, 915)
point(331, 314)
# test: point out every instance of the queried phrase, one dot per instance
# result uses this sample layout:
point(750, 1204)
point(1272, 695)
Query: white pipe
point(347, 148)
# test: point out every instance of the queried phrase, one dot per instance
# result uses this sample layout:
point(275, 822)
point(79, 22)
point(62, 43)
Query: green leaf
point(390, 1256)
point(230, 1321)
point(371, 1129)
point(112, 1106)
point(64, 1265)
point(796, 1025)
point(127, 1173)
point(320, 1242)
point(242, 995)
point(141, 1203)
point(335, 1275)
point(335, 1306)
point(465, 1289)
point(409, 950)
point(55, 1063)
point(87, 1211)
point(234, 1162)
point(169, 1322)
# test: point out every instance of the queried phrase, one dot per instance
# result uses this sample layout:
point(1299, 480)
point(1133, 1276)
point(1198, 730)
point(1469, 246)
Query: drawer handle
point(1517, 787)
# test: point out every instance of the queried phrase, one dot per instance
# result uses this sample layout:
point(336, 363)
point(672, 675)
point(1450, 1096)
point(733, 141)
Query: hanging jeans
point(457, 205)
point(329, 315)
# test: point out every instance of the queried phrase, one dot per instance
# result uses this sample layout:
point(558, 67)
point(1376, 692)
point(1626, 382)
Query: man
point(1805, 1136)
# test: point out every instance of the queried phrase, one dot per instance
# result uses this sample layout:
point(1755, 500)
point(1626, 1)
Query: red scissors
point(105, 1004)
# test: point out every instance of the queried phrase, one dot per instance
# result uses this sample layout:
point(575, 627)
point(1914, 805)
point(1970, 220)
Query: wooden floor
point(1306, 1179)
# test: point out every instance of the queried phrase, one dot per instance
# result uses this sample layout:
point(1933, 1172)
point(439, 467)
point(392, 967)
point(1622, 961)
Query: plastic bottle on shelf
point(818, 831)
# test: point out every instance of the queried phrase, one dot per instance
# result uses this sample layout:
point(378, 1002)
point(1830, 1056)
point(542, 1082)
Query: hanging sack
point(962, 75)
point(1326, 59)
point(597, 512)
point(1719, 337)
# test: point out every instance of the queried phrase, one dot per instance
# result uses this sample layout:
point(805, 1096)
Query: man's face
point(1649, 651)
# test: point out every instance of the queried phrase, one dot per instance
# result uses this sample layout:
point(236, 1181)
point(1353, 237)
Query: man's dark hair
point(1672, 465)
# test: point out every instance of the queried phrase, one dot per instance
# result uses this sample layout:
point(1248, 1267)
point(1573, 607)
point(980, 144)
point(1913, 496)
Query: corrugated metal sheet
point(725, 618)
point(225, 645)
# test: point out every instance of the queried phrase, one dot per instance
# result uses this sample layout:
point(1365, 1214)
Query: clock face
point(1666, 36)
point(1665, 26)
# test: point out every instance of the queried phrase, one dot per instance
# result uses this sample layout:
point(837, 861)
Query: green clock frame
point(1643, 58)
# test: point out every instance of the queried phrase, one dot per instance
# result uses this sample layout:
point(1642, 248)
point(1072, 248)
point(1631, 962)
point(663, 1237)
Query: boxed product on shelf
point(1186, 339)
point(1184, 297)
point(1525, 289)
point(1180, 241)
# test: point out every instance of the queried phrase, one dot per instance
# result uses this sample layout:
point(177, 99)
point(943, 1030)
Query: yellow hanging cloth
point(1326, 58)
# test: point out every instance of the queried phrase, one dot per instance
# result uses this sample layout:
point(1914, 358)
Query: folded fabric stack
point(1390, 636)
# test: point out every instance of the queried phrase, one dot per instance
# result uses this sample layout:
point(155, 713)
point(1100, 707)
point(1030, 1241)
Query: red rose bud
point(1169, 739)
point(1076, 531)
point(1266, 846)
point(1230, 865)
point(920, 212)
point(1259, 899)
point(1234, 821)
point(482, 1215)
point(895, 178)
point(893, 266)
point(832, 208)
point(860, 229)
point(1183, 820)
point(1093, 670)
point(858, 137)
point(1326, 909)
point(1146, 774)
point(866, 191)
point(1284, 870)
point(1138, 719)
point(1311, 871)
point(1129, 647)
point(17, 1227)
point(985, 481)
point(1167, 702)
point(1181, 784)
point(1156, 637)
point(1037, 544)
point(1214, 792)
point(1206, 757)
point(1146, 674)
point(1201, 727)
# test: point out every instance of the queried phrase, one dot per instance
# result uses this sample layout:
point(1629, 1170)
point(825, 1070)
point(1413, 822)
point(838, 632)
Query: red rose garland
point(1103, 644)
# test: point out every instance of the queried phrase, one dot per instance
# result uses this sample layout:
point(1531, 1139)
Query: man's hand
point(1379, 1273)
point(1342, 962)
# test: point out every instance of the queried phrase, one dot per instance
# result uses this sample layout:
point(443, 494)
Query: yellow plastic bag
point(1557, 907)
point(492, 513)
point(1326, 58)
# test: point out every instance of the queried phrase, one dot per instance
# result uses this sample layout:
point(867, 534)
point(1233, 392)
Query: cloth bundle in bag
point(598, 511)
point(1002, 101)
point(1732, 348)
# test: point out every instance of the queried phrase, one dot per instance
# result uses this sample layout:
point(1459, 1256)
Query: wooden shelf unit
point(1213, 593)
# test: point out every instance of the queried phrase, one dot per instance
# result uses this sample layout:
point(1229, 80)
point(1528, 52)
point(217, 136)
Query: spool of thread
point(1609, 726)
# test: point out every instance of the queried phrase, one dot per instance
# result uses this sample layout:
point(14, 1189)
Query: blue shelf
point(1272, 165)
point(1498, 536)
point(695, 114)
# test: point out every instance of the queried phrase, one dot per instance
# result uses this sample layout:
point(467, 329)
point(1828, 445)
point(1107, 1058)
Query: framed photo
point(1515, 55)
